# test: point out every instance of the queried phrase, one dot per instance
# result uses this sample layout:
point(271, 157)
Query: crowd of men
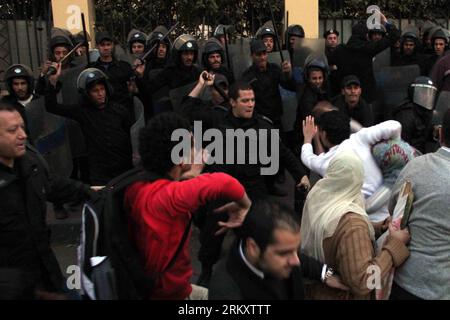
point(344, 134)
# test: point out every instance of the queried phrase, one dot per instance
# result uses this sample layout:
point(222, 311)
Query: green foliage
point(246, 15)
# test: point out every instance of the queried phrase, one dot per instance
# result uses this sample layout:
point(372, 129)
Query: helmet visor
point(424, 95)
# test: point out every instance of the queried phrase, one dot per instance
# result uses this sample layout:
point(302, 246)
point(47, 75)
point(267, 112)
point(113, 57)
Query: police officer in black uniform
point(416, 112)
point(20, 85)
point(182, 71)
point(119, 72)
point(242, 115)
point(213, 59)
point(105, 124)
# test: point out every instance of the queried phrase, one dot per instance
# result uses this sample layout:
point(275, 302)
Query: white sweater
point(361, 143)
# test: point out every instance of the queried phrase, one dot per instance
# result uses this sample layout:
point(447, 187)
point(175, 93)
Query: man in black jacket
point(264, 263)
point(351, 103)
point(119, 72)
point(105, 124)
point(416, 112)
point(241, 116)
point(356, 56)
point(25, 186)
point(213, 59)
point(20, 85)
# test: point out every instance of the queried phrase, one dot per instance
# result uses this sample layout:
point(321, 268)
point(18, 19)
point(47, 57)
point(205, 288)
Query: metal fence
point(24, 27)
point(344, 26)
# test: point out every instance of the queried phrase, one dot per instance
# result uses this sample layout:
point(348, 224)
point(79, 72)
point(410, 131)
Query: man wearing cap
point(265, 78)
point(331, 44)
point(351, 102)
point(119, 72)
point(440, 43)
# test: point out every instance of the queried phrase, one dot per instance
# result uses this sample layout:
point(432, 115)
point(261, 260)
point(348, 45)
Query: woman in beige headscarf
point(337, 231)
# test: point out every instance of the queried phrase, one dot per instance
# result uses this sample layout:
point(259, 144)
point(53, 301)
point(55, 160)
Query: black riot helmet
point(18, 71)
point(423, 92)
point(88, 78)
point(157, 36)
point(212, 46)
point(440, 34)
point(265, 31)
point(294, 30)
point(136, 36)
point(315, 62)
point(185, 42)
point(409, 37)
point(380, 29)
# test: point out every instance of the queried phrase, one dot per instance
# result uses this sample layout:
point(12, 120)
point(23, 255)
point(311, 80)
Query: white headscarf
point(338, 193)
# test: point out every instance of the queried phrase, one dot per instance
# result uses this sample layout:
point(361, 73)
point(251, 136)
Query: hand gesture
point(304, 184)
point(236, 212)
point(206, 79)
point(309, 129)
point(139, 68)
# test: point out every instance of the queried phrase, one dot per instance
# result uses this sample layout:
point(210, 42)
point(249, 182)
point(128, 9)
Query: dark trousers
point(398, 293)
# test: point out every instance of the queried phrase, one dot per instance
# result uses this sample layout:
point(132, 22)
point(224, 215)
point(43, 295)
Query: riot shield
point(160, 99)
point(176, 95)
point(240, 56)
point(392, 85)
point(136, 128)
point(442, 105)
point(381, 60)
point(275, 57)
point(70, 95)
point(304, 47)
point(49, 134)
point(289, 102)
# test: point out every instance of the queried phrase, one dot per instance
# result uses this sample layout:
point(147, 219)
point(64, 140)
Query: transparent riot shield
point(136, 128)
point(275, 57)
point(304, 47)
point(176, 95)
point(49, 134)
point(442, 105)
point(392, 85)
point(381, 60)
point(240, 56)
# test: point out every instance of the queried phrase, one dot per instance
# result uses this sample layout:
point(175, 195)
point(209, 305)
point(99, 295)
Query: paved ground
point(66, 234)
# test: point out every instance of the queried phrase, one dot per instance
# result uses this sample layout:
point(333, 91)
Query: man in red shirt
point(160, 211)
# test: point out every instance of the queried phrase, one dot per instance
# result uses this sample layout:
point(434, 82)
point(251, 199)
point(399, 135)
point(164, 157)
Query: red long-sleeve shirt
point(158, 215)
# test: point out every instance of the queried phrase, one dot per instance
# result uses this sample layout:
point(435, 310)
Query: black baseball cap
point(257, 46)
point(331, 31)
point(348, 80)
point(220, 80)
point(103, 35)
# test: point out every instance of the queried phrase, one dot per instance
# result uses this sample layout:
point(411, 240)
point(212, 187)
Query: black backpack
point(111, 268)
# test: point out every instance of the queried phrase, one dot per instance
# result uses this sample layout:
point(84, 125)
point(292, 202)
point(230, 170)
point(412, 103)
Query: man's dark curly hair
point(155, 145)
point(336, 124)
